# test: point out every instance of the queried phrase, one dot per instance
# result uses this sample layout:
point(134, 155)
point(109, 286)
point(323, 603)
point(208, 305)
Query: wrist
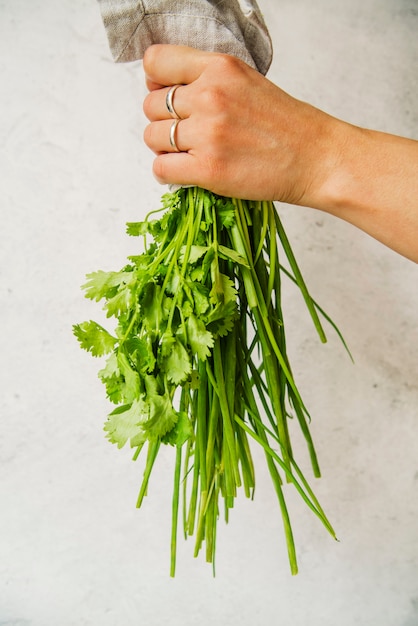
point(333, 180)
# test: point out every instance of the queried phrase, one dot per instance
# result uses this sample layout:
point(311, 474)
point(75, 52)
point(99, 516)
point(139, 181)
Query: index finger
point(167, 64)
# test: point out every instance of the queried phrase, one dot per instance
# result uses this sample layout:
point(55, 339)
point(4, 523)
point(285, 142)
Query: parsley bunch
point(198, 356)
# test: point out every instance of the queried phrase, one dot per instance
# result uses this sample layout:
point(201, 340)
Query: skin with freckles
point(242, 136)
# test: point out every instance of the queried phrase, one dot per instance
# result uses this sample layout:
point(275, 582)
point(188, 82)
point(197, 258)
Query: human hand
point(242, 136)
point(239, 135)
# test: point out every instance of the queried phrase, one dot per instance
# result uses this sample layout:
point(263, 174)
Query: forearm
point(374, 185)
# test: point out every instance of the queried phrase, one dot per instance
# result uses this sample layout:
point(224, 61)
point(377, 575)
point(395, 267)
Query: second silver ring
point(173, 129)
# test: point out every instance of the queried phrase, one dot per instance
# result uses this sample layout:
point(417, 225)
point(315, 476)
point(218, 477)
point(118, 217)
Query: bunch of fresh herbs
point(197, 358)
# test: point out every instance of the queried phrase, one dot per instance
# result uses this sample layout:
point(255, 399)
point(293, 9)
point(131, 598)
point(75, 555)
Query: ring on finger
point(173, 129)
point(169, 102)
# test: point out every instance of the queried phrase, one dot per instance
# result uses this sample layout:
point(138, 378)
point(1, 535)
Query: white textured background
point(73, 169)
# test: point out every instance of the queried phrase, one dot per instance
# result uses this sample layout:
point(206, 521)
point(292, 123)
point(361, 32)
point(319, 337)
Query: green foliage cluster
point(198, 360)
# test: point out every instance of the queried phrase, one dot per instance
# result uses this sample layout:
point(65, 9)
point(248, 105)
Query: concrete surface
point(73, 548)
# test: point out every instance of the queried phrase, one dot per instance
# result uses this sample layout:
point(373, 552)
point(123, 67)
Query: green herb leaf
point(232, 255)
point(200, 339)
point(200, 296)
point(124, 423)
point(195, 253)
point(162, 416)
point(121, 303)
point(94, 338)
point(177, 364)
point(222, 318)
point(225, 211)
point(223, 290)
point(141, 353)
point(135, 229)
point(104, 284)
point(131, 378)
point(112, 379)
point(182, 431)
point(152, 312)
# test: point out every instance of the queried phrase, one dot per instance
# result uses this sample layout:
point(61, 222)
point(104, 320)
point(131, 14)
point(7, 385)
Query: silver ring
point(169, 102)
point(173, 128)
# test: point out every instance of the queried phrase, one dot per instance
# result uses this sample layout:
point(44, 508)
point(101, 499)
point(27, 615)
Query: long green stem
point(298, 276)
point(226, 416)
point(175, 511)
point(153, 448)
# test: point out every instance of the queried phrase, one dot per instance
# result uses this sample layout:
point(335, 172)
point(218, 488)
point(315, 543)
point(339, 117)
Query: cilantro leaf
point(121, 302)
point(112, 379)
point(104, 284)
point(174, 282)
point(232, 255)
point(162, 416)
point(207, 261)
point(111, 368)
point(174, 359)
point(124, 423)
point(181, 432)
point(221, 319)
point(200, 295)
point(223, 290)
point(130, 389)
point(200, 339)
point(225, 211)
point(152, 312)
point(141, 353)
point(135, 229)
point(94, 338)
point(195, 253)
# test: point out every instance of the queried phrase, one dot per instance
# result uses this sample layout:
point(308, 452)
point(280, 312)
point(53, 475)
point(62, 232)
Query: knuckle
point(227, 64)
point(214, 94)
point(230, 71)
point(213, 98)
